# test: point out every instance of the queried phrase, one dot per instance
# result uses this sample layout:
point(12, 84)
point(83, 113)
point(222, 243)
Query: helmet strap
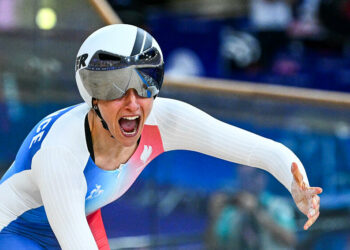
point(104, 123)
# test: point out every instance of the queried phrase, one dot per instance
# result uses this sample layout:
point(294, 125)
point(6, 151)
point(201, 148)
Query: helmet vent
point(147, 55)
point(108, 57)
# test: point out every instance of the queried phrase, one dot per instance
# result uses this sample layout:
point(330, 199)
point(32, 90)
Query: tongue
point(128, 125)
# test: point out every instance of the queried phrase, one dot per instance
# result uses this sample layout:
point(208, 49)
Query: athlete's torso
point(65, 128)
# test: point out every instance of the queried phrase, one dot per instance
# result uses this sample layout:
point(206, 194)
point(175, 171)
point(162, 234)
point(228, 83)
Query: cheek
point(147, 106)
point(111, 110)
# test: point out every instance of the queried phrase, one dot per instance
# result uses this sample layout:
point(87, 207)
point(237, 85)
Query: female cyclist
point(83, 157)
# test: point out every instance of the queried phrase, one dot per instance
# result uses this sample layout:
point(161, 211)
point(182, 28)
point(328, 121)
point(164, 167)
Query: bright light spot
point(46, 18)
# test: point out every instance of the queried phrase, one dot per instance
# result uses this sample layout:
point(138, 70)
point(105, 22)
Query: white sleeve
point(183, 126)
point(62, 186)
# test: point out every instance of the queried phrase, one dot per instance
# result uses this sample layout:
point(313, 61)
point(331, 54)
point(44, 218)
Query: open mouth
point(129, 125)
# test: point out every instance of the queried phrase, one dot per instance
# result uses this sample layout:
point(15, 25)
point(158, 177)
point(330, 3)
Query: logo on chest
point(147, 151)
point(95, 192)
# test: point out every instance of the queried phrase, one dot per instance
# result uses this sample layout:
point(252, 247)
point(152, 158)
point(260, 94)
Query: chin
point(129, 142)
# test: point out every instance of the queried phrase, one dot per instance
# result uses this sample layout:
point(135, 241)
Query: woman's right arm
point(62, 186)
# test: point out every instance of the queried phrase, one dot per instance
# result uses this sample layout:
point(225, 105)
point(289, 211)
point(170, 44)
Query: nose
point(131, 100)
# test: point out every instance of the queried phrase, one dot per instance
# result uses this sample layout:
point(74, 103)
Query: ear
point(94, 102)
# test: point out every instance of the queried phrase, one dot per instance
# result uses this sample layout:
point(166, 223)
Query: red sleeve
point(98, 230)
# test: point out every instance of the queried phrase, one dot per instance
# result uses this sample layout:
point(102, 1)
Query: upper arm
point(183, 126)
point(60, 179)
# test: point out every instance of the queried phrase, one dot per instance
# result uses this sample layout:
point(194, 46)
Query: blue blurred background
point(300, 43)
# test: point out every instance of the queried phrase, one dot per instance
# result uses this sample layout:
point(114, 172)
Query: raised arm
point(62, 187)
point(183, 126)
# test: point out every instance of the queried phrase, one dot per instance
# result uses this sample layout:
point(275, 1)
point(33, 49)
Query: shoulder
point(171, 110)
point(67, 130)
point(171, 107)
point(58, 139)
point(167, 102)
point(164, 110)
point(58, 164)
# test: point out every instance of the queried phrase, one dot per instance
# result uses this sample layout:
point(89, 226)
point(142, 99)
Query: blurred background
point(185, 200)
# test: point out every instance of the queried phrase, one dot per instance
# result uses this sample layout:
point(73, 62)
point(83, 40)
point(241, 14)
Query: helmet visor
point(109, 76)
point(113, 84)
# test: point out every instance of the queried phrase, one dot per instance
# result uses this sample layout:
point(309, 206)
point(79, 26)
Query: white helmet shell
point(121, 39)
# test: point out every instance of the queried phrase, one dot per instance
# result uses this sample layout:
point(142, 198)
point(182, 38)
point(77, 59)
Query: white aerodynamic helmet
point(116, 58)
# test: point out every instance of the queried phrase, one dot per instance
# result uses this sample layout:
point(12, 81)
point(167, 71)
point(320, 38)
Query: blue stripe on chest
point(101, 186)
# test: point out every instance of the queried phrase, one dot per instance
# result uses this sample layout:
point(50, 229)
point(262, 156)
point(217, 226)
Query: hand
point(306, 198)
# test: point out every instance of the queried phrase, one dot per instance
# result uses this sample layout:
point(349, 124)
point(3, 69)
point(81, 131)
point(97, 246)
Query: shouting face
point(126, 116)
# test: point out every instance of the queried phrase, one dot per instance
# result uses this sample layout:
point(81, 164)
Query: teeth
point(131, 117)
point(129, 133)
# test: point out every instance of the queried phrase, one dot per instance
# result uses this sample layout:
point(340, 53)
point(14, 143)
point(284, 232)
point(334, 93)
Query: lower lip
point(129, 134)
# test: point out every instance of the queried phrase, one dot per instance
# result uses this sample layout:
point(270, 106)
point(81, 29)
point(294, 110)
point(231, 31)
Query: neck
point(109, 152)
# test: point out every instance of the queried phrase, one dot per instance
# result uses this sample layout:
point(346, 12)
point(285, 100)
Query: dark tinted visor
point(113, 84)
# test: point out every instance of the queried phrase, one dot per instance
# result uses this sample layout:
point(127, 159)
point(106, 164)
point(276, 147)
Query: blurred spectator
point(238, 49)
point(184, 62)
point(307, 22)
point(251, 218)
point(270, 20)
